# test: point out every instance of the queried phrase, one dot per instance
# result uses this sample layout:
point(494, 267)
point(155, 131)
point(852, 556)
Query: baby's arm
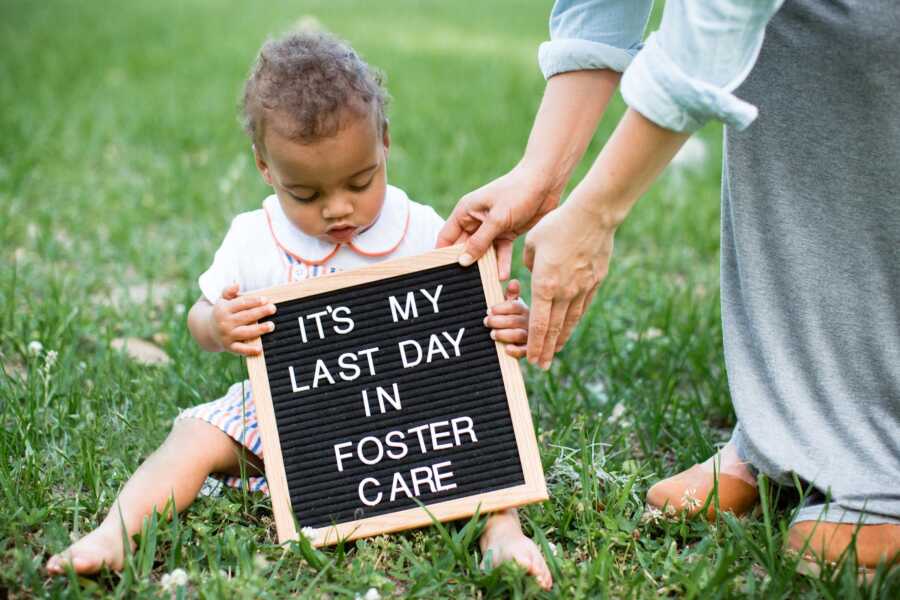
point(231, 322)
point(509, 321)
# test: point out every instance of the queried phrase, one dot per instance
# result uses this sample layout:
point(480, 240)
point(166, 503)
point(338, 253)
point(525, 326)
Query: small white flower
point(35, 348)
point(50, 358)
point(652, 515)
point(309, 533)
point(179, 309)
point(689, 499)
point(372, 594)
point(652, 333)
point(617, 412)
point(176, 579)
point(554, 550)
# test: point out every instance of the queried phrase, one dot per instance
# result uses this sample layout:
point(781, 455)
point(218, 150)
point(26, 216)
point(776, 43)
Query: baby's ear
point(261, 165)
point(386, 137)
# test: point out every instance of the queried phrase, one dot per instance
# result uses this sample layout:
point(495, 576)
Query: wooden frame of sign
point(488, 493)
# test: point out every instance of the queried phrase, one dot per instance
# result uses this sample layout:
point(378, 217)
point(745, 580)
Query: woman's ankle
point(727, 461)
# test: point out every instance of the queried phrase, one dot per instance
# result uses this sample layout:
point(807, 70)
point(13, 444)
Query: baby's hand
point(509, 321)
point(234, 321)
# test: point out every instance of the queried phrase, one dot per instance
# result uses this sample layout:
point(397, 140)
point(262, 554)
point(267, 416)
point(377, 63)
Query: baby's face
point(332, 188)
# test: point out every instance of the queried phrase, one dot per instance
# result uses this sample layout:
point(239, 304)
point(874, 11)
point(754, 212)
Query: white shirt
point(686, 73)
point(263, 248)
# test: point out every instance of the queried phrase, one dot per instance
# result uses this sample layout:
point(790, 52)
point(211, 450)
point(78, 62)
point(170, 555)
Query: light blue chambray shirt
point(685, 73)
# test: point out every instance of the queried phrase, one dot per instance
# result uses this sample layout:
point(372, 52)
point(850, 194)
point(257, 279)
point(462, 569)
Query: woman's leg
point(192, 451)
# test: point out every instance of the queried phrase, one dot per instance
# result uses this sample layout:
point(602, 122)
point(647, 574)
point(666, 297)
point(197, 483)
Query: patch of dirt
point(141, 351)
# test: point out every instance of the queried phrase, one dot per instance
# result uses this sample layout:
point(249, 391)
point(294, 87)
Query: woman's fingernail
point(485, 322)
point(493, 334)
point(466, 259)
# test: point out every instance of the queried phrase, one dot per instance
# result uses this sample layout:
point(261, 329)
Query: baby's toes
point(56, 565)
point(539, 569)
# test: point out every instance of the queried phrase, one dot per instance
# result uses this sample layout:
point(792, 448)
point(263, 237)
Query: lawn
point(121, 164)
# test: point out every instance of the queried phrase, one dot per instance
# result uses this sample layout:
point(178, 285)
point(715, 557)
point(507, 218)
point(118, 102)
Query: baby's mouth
point(343, 233)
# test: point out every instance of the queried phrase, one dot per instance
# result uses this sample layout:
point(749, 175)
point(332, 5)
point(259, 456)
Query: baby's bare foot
point(524, 551)
point(102, 546)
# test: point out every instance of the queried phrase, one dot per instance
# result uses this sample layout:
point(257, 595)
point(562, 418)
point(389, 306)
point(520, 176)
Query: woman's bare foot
point(102, 546)
point(688, 491)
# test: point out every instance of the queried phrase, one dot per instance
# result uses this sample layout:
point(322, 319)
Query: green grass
point(121, 162)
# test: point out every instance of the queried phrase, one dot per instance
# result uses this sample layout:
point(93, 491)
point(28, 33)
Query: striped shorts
point(235, 414)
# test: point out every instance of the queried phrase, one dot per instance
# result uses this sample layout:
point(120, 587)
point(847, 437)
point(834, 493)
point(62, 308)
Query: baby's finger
point(250, 332)
point(507, 322)
point(516, 351)
point(244, 303)
point(231, 292)
point(510, 336)
point(246, 349)
point(252, 315)
point(509, 308)
point(513, 290)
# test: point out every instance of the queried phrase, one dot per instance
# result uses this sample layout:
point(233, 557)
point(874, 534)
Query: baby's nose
point(338, 208)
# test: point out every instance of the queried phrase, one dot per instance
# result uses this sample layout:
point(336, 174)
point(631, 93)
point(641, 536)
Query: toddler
point(316, 114)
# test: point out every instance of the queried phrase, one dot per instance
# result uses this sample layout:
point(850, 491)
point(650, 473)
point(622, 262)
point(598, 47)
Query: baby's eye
point(361, 188)
point(305, 199)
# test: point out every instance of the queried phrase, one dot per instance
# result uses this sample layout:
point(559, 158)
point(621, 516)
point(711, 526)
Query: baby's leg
point(503, 538)
point(193, 450)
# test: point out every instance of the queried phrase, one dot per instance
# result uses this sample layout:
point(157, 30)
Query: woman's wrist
point(598, 207)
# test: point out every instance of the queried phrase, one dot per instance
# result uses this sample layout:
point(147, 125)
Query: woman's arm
point(683, 78)
point(592, 41)
point(568, 252)
point(510, 205)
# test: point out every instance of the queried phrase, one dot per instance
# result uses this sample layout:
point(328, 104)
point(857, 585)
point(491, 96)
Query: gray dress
point(811, 258)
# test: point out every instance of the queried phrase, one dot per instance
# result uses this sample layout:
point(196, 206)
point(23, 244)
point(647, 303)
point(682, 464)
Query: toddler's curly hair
point(309, 80)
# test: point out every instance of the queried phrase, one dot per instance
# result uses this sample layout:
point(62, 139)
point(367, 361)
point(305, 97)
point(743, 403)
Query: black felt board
point(310, 423)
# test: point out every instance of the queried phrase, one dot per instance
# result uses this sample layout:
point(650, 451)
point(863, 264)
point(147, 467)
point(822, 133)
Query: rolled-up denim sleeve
point(593, 34)
point(704, 49)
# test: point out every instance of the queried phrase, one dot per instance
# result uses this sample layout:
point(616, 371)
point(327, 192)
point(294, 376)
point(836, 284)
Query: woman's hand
point(497, 213)
point(507, 207)
point(568, 255)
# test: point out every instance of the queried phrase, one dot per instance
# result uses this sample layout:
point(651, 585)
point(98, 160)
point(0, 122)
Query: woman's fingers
point(504, 248)
point(480, 240)
point(554, 329)
point(573, 315)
